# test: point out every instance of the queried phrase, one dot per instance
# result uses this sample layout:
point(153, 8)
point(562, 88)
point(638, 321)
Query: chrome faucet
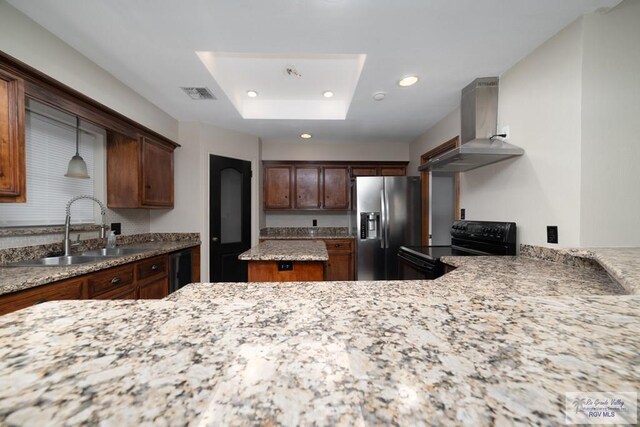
point(67, 222)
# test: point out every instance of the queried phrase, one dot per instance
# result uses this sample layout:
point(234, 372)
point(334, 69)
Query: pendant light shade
point(77, 167)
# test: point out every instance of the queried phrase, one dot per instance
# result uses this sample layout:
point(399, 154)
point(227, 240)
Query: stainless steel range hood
point(479, 115)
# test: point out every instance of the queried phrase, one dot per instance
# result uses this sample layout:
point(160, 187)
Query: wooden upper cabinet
point(336, 187)
point(157, 174)
point(139, 172)
point(379, 169)
point(277, 187)
point(307, 187)
point(393, 170)
point(364, 171)
point(13, 183)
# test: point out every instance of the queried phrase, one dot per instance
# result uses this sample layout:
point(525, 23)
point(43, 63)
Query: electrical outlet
point(117, 228)
point(505, 130)
point(552, 234)
point(315, 222)
point(462, 213)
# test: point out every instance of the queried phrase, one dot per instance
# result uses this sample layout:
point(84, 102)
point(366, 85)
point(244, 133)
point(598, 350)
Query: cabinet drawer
point(64, 290)
point(111, 280)
point(152, 267)
point(339, 245)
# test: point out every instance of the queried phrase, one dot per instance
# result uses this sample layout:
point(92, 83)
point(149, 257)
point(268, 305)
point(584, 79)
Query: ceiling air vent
point(198, 93)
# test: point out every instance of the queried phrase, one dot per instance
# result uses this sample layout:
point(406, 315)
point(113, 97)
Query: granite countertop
point(478, 346)
point(13, 279)
point(296, 233)
point(288, 250)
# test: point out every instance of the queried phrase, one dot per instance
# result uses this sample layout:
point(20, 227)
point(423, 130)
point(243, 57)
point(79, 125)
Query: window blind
point(49, 147)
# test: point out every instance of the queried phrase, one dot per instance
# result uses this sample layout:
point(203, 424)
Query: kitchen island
point(499, 344)
point(286, 261)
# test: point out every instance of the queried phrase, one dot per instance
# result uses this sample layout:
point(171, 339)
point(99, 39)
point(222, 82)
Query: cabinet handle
point(154, 267)
point(115, 280)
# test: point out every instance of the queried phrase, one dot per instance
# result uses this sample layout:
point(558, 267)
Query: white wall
point(540, 100)
point(441, 132)
point(191, 212)
point(610, 202)
point(30, 43)
point(573, 104)
point(311, 150)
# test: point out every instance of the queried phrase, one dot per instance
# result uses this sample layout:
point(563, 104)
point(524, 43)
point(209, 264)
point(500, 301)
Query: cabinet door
point(123, 178)
point(155, 289)
point(393, 171)
point(12, 149)
point(341, 258)
point(62, 290)
point(308, 187)
point(364, 171)
point(336, 187)
point(277, 187)
point(157, 174)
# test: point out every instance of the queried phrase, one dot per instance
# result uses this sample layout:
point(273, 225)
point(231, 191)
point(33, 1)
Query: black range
point(468, 238)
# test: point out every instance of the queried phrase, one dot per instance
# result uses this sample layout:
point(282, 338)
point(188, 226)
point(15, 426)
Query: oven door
point(411, 267)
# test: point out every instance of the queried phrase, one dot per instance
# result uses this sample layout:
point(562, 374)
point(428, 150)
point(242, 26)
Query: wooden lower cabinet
point(155, 289)
point(112, 281)
point(341, 259)
point(63, 290)
point(144, 279)
point(302, 271)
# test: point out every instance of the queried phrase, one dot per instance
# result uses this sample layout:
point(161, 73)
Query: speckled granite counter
point(493, 346)
point(295, 233)
point(287, 250)
point(14, 279)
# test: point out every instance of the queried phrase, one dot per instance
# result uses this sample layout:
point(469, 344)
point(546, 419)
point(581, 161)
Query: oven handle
point(416, 263)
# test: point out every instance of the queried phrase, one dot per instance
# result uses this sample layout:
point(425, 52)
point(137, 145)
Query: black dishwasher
point(179, 269)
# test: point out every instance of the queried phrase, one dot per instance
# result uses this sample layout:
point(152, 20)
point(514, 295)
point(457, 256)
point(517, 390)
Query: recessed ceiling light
point(305, 135)
point(327, 94)
point(379, 96)
point(252, 93)
point(408, 81)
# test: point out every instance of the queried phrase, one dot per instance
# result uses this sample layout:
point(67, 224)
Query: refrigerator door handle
point(384, 210)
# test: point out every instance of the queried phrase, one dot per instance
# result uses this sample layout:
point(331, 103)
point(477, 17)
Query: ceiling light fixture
point(408, 81)
point(305, 135)
point(252, 93)
point(327, 94)
point(379, 96)
point(77, 167)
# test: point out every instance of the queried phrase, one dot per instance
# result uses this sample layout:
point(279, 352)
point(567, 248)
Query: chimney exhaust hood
point(480, 146)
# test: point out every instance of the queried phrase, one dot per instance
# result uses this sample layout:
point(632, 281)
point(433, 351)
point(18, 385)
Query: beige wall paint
point(573, 105)
point(191, 212)
point(441, 132)
point(610, 204)
point(30, 43)
point(311, 150)
point(540, 100)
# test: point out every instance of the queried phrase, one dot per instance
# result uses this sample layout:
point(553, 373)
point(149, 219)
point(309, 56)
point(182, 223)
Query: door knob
point(214, 239)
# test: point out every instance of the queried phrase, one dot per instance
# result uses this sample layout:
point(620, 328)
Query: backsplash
point(8, 255)
point(305, 219)
point(134, 221)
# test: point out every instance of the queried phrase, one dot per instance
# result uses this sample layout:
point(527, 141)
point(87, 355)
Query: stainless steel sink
point(114, 252)
point(57, 261)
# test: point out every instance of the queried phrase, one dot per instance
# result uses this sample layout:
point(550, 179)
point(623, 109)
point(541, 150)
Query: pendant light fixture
point(77, 167)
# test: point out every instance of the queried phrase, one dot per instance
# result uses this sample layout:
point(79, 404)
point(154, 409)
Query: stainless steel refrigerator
point(386, 215)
